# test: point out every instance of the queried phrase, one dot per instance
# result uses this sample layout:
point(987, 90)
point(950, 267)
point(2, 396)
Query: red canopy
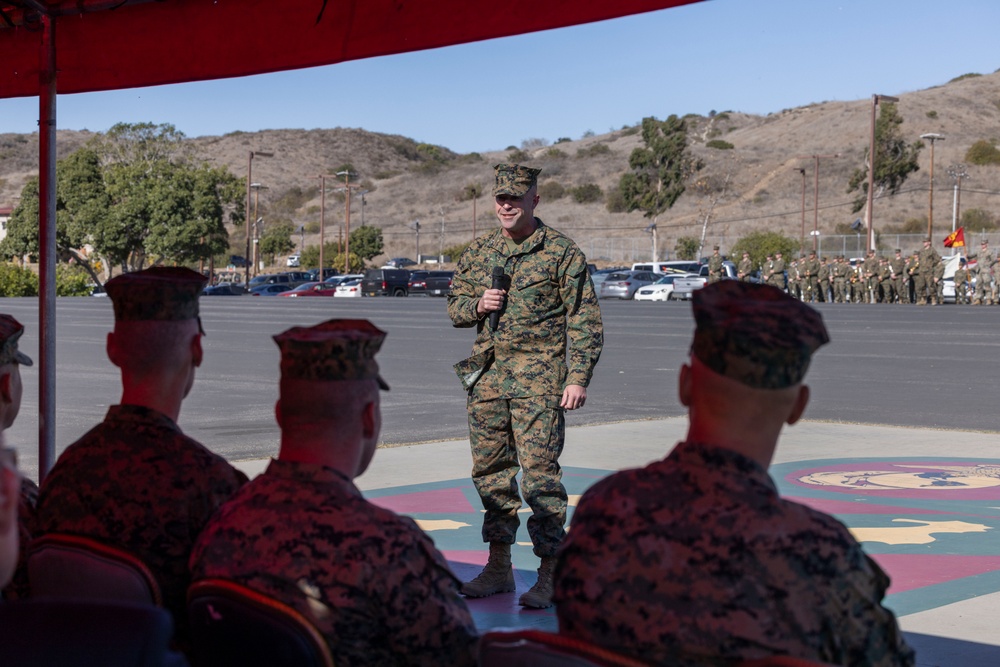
point(112, 44)
point(76, 46)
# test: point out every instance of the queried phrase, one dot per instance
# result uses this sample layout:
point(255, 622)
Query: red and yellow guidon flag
point(956, 239)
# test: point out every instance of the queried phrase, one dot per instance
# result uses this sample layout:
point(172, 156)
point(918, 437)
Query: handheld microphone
point(498, 281)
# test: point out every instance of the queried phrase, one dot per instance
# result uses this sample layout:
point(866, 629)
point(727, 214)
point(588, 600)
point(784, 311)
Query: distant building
point(5, 212)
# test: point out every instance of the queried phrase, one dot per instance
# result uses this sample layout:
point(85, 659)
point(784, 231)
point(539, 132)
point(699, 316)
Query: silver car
point(622, 285)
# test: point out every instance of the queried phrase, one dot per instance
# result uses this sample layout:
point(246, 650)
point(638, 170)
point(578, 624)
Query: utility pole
point(802, 231)
point(347, 217)
point(957, 173)
point(246, 257)
point(932, 137)
point(815, 231)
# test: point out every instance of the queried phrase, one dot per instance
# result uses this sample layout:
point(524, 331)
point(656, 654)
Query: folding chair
point(61, 565)
point(533, 648)
point(232, 625)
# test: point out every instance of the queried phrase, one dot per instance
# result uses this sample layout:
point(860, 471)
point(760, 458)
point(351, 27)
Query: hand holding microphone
point(498, 284)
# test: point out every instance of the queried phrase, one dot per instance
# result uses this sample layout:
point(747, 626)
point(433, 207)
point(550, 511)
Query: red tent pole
point(47, 249)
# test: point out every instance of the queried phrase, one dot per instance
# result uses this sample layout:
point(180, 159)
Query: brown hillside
point(755, 186)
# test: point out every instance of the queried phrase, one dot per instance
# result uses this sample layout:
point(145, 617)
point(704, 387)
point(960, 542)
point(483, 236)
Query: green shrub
point(978, 220)
point(562, 140)
point(720, 144)
point(455, 251)
point(983, 152)
point(17, 281)
point(72, 281)
point(970, 75)
point(593, 151)
point(551, 190)
point(517, 156)
point(686, 247)
point(627, 131)
point(555, 153)
point(586, 193)
point(614, 201)
point(932, 114)
point(312, 228)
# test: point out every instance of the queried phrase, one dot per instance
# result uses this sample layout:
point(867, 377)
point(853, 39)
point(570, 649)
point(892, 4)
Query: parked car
point(269, 289)
point(223, 289)
point(664, 268)
point(623, 284)
point(343, 278)
point(305, 289)
point(238, 261)
point(661, 290)
point(351, 288)
point(328, 272)
point(684, 287)
point(430, 283)
point(400, 262)
point(600, 275)
point(293, 260)
point(385, 282)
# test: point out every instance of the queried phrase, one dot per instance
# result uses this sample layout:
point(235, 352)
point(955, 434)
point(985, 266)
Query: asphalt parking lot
point(935, 367)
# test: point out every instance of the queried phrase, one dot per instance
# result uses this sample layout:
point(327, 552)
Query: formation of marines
point(915, 279)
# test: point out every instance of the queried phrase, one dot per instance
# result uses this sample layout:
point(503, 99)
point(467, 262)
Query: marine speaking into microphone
point(498, 283)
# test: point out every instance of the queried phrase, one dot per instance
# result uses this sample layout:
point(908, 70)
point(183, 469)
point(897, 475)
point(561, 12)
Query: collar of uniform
point(742, 469)
point(499, 242)
point(141, 413)
point(310, 473)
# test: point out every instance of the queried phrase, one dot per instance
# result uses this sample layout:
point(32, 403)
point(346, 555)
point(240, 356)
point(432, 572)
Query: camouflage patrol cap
point(514, 179)
point(10, 331)
point(160, 293)
point(331, 351)
point(755, 334)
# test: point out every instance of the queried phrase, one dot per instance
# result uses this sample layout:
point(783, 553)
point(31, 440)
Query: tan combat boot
point(540, 595)
point(496, 577)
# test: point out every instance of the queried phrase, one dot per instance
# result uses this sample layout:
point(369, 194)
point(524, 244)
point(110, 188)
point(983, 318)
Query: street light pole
point(815, 232)
point(347, 219)
point(256, 187)
point(931, 137)
point(869, 218)
point(246, 257)
point(957, 172)
point(802, 233)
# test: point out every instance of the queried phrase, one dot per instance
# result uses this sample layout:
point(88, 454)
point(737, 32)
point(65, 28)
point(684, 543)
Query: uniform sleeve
point(465, 293)
point(428, 621)
point(869, 632)
point(584, 328)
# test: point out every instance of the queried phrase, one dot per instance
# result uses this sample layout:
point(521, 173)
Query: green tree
point(366, 242)
point(277, 240)
point(894, 159)
point(72, 280)
point(762, 244)
point(687, 247)
point(17, 281)
point(586, 193)
point(333, 257)
point(659, 169)
point(81, 203)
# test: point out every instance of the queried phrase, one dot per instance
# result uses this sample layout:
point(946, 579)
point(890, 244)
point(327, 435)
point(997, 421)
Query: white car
point(661, 290)
point(293, 260)
point(351, 288)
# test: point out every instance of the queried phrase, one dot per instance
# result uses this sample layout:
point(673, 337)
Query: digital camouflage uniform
point(514, 411)
point(135, 481)
point(776, 274)
point(745, 269)
point(840, 292)
point(928, 260)
point(715, 268)
point(810, 268)
point(962, 283)
point(371, 581)
point(719, 565)
point(884, 281)
point(984, 277)
point(899, 278)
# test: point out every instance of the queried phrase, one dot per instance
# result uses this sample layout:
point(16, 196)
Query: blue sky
point(756, 56)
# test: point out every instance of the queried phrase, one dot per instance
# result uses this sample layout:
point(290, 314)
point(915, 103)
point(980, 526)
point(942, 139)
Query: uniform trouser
point(919, 287)
point(962, 292)
point(897, 289)
point(839, 290)
point(824, 291)
point(983, 292)
point(886, 287)
point(527, 434)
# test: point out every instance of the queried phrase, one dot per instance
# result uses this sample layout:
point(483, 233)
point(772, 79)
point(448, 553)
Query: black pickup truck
point(385, 282)
point(431, 283)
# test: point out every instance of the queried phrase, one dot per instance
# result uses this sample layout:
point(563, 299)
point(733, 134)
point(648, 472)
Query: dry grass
point(763, 187)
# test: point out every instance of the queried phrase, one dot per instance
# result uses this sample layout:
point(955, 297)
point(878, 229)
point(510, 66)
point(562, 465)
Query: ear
point(684, 385)
point(277, 413)
point(111, 347)
point(196, 351)
point(799, 407)
point(368, 421)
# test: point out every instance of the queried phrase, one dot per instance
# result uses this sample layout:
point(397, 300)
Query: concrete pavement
point(925, 503)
